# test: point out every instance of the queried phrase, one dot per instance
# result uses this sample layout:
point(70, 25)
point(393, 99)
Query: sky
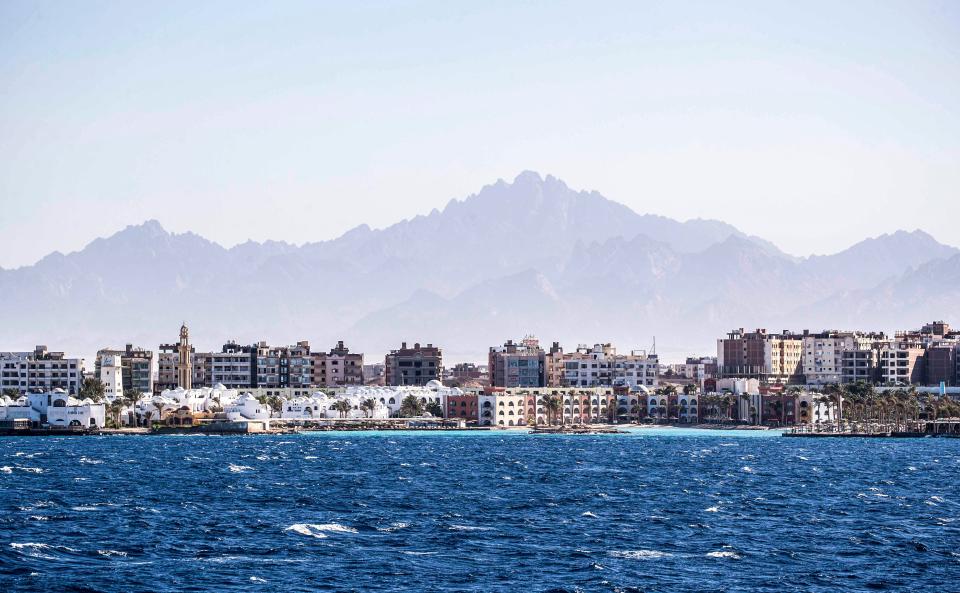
point(811, 124)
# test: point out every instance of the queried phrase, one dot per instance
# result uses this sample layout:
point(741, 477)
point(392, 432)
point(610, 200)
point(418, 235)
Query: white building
point(246, 407)
point(433, 393)
point(111, 375)
point(40, 370)
point(602, 366)
point(69, 412)
point(54, 408)
point(322, 406)
point(823, 355)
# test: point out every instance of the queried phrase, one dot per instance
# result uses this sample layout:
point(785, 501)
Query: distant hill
point(531, 256)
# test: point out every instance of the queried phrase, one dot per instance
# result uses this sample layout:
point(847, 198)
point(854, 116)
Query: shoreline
point(580, 429)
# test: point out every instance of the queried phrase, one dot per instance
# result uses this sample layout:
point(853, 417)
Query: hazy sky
point(813, 125)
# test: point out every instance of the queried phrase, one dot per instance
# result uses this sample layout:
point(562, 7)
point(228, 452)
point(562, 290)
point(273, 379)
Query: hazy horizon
point(167, 227)
point(299, 122)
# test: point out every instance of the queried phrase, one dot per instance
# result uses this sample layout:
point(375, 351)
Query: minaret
point(185, 368)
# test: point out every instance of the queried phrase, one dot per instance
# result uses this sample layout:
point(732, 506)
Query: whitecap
point(257, 580)
point(6, 469)
point(239, 468)
point(32, 470)
point(412, 553)
point(394, 527)
point(747, 469)
point(639, 554)
point(723, 554)
point(712, 510)
point(319, 530)
point(468, 528)
point(86, 508)
point(90, 461)
point(305, 529)
point(311, 457)
point(109, 553)
point(588, 514)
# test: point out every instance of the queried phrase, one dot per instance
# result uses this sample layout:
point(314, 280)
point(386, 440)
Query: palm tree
point(342, 406)
point(836, 392)
point(92, 389)
point(552, 404)
point(11, 392)
point(368, 406)
point(130, 398)
point(114, 408)
point(411, 407)
point(435, 409)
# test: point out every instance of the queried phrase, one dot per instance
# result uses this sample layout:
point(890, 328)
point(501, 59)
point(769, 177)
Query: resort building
point(40, 371)
point(517, 365)
point(466, 406)
point(413, 366)
point(601, 366)
point(324, 406)
point(528, 406)
point(54, 408)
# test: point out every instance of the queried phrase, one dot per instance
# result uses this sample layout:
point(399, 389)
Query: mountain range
point(531, 256)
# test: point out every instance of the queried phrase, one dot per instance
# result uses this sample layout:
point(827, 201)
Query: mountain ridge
point(563, 260)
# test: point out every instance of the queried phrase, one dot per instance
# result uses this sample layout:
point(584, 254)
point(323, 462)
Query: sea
point(651, 510)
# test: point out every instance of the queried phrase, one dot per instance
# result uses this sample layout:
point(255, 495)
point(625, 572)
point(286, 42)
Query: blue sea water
point(654, 510)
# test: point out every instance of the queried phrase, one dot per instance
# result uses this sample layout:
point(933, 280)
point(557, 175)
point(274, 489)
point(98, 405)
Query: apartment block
point(339, 367)
point(770, 358)
point(413, 366)
point(602, 366)
point(823, 354)
point(237, 366)
point(517, 365)
point(40, 371)
point(901, 363)
point(940, 364)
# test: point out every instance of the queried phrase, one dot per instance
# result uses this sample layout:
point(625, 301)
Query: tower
point(185, 367)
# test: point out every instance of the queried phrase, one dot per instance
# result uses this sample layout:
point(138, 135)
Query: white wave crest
point(723, 554)
point(640, 554)
point(319, 530)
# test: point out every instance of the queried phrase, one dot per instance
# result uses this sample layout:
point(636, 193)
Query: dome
point(434, 384)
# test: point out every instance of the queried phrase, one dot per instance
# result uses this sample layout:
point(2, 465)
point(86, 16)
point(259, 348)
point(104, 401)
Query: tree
point(342, 406)
point(92, 389)
point(435, 409)
point(411, 407)
point(114, 408)
point(552, 404)
point(11, 392)
point(368, 406)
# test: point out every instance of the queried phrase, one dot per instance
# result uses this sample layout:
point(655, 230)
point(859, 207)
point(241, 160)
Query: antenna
point(653, 349)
